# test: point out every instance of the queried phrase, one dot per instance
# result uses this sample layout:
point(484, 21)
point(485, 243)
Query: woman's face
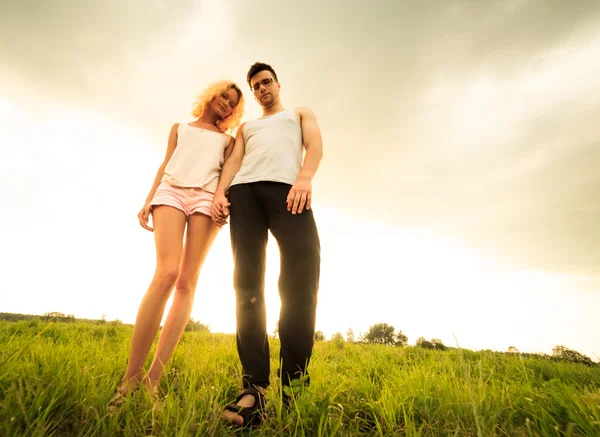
point(225, 103)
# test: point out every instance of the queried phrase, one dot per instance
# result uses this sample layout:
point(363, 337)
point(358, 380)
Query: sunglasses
point(265, 82)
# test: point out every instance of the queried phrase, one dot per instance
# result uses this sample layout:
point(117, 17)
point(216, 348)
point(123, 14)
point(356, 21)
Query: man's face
point(265, 88)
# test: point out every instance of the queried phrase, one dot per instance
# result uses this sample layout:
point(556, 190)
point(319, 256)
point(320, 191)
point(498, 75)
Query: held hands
point(220, 209)
point(143, 217)
point(299, 197)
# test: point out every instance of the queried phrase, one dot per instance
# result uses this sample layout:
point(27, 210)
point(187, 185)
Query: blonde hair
point(230, 122)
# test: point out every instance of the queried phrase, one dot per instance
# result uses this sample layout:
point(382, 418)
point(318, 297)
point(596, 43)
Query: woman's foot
point(120, 397)
point(116, 402)
point(152, 387)
point(126, 389)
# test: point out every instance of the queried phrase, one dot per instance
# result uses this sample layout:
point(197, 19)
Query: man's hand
point(299, 197)
point(143, 216)
point(220, 209)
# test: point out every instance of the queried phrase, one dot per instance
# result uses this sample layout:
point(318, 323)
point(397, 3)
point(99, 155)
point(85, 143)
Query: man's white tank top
point(273, 149)
point(197, 159)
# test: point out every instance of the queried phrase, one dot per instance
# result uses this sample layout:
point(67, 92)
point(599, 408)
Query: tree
point(337, 337)
point(276, 330)
point(319, 336)
point(437, 344)
point(564, 353)
point(380, 333)
point(58, 317)
point(513, 350)
point(54, 315)
point(424, 343)
point(338, 340)
point(194, 325)
point(401, 338)
point(350, 335)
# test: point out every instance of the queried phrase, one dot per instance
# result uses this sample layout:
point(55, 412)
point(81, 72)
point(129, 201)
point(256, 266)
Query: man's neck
point(273, 109)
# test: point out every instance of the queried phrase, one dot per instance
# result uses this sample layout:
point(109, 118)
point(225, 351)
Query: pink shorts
point(188, 200)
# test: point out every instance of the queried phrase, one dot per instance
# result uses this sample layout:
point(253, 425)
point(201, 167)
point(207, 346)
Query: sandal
point(122, 392)
point(152, 389)
point(117, 401)
point(252, 416)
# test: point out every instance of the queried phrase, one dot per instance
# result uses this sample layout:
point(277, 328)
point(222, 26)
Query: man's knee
point(249, 299)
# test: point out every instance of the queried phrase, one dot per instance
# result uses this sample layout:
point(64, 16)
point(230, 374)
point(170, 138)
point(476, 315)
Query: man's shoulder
point(303, 110)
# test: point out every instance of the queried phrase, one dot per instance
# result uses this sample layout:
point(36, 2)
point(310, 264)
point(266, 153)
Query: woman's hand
point(143, 217)
point(220, 209)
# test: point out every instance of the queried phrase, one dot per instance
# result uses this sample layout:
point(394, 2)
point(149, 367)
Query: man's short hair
point(256, 68)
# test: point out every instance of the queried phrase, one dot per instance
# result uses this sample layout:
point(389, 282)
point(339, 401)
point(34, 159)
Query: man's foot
point(247, 409)
point(287, 401)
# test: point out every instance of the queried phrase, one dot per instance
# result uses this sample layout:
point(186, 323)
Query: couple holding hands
point(260, 181)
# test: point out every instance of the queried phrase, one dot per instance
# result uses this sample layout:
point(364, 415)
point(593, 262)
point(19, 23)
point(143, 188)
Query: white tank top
point(273, 149)
point(197, 159)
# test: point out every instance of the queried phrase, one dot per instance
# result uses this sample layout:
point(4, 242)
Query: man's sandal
point(251, 416)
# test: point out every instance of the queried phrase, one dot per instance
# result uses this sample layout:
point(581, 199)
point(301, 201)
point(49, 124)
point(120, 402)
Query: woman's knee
point(167, 273)
point(186, 284)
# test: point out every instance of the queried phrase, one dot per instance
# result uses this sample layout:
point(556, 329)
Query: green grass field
point(56, 379)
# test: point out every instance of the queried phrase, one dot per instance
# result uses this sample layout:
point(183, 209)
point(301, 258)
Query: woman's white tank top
point(197, 159)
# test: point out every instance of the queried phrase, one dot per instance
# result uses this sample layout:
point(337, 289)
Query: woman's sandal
point(251, 416)
point(117, 401)
point(152, 389)
point(121, 395)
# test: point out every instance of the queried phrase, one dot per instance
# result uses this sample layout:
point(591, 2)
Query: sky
point(457, 196)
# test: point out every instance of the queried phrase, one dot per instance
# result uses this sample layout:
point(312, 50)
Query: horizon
point(358, 336)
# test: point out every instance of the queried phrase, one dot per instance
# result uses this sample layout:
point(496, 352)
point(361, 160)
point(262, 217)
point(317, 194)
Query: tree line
point(379, 333)
point(385, 334)
point(192, 325)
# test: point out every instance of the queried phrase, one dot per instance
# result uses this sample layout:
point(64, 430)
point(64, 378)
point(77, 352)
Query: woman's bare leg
point(201, 234)
point(169, 226)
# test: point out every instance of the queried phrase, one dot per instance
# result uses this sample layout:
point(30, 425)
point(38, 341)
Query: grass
point(56, 379)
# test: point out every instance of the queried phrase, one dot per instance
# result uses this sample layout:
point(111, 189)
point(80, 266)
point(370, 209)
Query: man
point(270, 190)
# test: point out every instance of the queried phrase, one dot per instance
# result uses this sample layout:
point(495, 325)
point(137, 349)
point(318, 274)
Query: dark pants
point(257, 208)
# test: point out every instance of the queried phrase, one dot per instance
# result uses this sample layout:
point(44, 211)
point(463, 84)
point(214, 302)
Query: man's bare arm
point(313, 143)
point(229, 148)
point(232, 163)
point(300, 195)
point(220, 207)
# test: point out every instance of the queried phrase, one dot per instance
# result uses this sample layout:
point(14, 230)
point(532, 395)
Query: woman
point(181, 195)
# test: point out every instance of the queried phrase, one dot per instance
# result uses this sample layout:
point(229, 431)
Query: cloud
point(134, 60)
point(475, 119)
point(497, 159)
